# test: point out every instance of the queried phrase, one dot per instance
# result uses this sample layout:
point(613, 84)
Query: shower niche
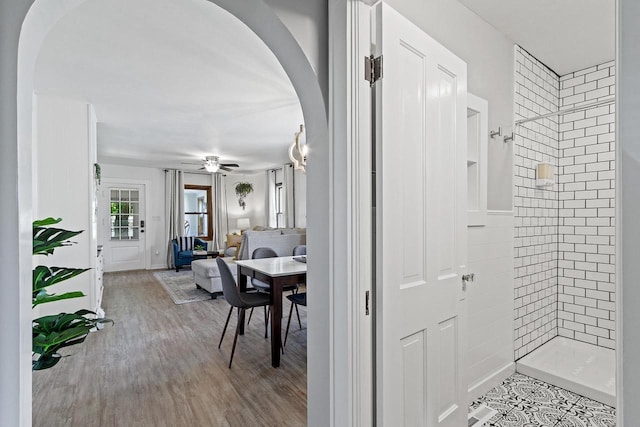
point(477, 135)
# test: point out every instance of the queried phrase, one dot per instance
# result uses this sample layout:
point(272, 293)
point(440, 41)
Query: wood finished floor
point(159, 365)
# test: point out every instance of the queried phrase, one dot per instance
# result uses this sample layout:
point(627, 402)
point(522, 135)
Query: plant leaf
point(44, 276)
point(46, 239)
point(45, 361)
point(43, 297)
point(47, 221)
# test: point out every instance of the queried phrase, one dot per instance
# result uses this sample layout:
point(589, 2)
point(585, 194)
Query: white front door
point(122, 208)
point(421, 227)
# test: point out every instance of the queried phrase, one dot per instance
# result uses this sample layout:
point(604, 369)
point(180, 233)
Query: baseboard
point(490, 381)
point(159, 267)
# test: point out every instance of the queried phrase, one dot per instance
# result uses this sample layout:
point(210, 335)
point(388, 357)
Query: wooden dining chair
point(239, 300)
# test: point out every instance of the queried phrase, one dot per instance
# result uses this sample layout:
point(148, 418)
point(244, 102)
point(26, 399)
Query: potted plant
point(54, 332)
point(242, 190)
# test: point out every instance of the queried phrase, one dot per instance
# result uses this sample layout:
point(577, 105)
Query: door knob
point(467, 278)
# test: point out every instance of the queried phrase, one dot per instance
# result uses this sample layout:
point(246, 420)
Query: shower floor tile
point(524, 401)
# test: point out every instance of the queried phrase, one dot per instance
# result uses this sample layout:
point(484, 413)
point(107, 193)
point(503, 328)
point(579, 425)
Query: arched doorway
point(257, 15)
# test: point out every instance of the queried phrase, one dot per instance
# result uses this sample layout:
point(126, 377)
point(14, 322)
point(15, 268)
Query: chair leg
point(286, 334)
point(266, 321)
point(250, 314)
point(225, 327)
point(235, 339)
point(297, 311)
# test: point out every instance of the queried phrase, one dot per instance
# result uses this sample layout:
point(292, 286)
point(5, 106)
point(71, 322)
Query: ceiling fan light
point(211, 167)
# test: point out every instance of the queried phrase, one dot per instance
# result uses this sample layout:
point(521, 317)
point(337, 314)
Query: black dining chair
point(239, 300)
point(300, 250)
point(262, 287)
point(296, 299)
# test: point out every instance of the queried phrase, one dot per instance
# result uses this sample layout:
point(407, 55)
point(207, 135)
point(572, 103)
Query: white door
point(421, 226)
point(123, 226)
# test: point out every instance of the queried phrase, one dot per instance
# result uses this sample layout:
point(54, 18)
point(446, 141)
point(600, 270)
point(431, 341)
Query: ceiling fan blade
point(230, 165)
point(190, 163)
point(202, 168)
point(224, 168)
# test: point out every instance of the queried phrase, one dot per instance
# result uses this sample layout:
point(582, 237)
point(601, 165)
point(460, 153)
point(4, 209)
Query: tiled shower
point(564, 233)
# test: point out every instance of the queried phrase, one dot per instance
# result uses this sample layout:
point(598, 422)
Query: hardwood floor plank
point(159, 365)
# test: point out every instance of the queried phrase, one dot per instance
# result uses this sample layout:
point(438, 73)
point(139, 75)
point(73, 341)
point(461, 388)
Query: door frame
point(27, 25)
point(146, 184)
point(350, 119)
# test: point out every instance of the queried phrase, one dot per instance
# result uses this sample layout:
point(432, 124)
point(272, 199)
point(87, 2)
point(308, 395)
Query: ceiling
point(172, 81)
point(566, 35)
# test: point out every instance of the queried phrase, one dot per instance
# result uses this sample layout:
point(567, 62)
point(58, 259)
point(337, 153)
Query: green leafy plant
point(198, 247)
point(54, 332)
point(242, 190)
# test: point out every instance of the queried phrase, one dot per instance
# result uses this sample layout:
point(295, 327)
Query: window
point(197, 211)
point(124, 204)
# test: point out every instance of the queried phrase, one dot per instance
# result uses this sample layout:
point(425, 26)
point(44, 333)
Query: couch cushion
point(209, 268)
point(185, 243)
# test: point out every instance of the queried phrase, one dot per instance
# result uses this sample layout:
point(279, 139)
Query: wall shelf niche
point(477, 135)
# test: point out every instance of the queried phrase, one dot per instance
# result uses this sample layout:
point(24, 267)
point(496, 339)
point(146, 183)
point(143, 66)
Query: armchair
point(183, 250)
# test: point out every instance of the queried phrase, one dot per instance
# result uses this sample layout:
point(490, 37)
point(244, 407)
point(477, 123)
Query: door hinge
point(372, 69)
point(366, 303)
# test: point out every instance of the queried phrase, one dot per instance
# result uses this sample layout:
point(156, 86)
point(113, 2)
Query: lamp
point(211, 164)
point(298, 152)
point(244, 223)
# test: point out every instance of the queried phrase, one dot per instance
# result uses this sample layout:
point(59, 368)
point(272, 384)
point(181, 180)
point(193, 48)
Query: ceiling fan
point(212, 164)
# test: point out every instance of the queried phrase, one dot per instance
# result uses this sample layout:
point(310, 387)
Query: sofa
point(205, 271)
point(183, 250)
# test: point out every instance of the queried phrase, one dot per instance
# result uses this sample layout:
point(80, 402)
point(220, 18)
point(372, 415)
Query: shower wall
point(564, 233)
point(586, 228)
point(535, 209)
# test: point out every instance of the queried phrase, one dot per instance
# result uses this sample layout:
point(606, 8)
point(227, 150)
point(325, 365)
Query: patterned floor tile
point(522, 401)
point(549, 395)
point(496, 403)
point(589, 413)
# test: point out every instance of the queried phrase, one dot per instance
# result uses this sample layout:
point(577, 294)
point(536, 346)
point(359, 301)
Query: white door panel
point(122, 222)
point(421, 227)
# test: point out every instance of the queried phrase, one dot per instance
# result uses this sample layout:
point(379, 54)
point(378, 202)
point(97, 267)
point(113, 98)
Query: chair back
point(259, 253)
point(264, 253)
point(300, 250)
point(229, 288)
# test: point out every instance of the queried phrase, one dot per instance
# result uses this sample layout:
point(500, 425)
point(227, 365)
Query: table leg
point(242, 286)
point(276, 322)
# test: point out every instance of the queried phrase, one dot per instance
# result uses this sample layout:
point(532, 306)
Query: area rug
point(181, 287)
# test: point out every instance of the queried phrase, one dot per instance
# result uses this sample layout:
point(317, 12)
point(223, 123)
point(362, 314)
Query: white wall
point(586, 223)
point(65, 189)
point(157, 243)
point(490, 303)
point(255, 201)
point(628, 211)
point(535, 208)
point(489, 58)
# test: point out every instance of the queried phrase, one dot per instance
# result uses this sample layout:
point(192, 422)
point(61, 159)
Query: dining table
point(276, 272)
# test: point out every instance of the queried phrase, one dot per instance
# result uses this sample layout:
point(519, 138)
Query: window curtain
point(174, 209)
point(220, 211)
point(288, 188)
point(271, 198)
